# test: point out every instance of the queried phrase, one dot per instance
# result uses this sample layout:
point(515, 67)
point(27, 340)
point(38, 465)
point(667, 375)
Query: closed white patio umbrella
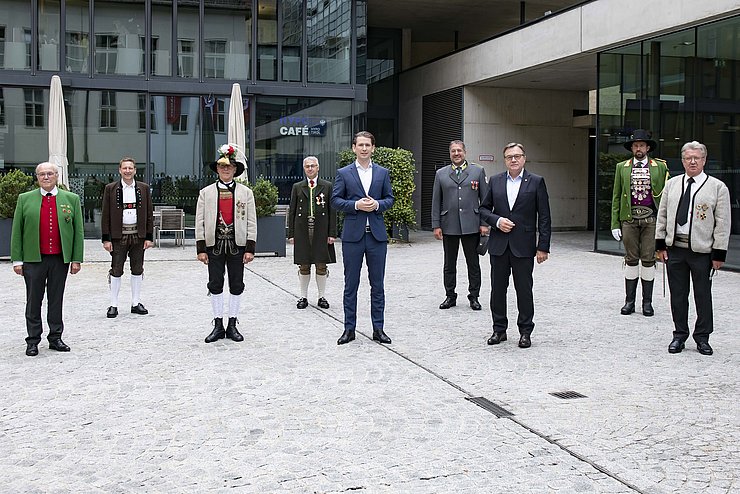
point(236, 134)
point(58, 130)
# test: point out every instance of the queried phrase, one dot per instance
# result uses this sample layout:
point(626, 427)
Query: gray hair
point(694, 145)
point(48, 163)
point(311, 158)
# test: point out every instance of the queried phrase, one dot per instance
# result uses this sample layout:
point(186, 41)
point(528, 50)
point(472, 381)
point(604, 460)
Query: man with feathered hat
point(638, 185)
point(225, 235)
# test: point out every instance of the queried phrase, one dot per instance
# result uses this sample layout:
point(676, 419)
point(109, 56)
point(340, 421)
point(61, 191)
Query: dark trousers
point(123, 248)
point(451, 244)
point(521, 269)
point(50, 275)
point(217, 267)
point(374, 252)
point(681, 264)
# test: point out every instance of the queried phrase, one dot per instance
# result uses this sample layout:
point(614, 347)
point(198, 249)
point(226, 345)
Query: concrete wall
point(542, 121)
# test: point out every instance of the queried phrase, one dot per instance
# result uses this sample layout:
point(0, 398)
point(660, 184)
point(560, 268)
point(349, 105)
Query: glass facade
point(683, 86)
point(152, 80)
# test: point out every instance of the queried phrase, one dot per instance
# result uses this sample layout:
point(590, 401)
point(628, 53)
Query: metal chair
point(172, 221)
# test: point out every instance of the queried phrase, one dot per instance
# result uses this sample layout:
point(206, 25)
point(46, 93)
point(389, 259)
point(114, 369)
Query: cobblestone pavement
point(143, 404)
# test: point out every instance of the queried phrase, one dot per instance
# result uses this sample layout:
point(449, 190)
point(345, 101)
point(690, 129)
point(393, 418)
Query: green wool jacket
point(622, 195)
point(24, 243)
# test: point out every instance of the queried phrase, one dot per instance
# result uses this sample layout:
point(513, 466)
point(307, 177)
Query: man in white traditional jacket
point(225, 235)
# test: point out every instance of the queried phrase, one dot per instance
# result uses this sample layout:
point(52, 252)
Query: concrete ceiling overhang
point(572, 74)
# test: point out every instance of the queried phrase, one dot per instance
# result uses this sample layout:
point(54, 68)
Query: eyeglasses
point(693, 159)
point(308, 167)
point(45, 174)
point(513, 157)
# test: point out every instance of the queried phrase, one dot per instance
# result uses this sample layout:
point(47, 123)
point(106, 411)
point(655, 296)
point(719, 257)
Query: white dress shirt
point(129, 196)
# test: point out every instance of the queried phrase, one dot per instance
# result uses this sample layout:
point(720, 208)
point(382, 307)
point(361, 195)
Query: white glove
point(617, 234)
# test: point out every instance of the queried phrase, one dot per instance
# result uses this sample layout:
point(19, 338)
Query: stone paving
point(142, 404)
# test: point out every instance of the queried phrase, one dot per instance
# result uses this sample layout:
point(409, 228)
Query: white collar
point(360, 167)
point(54, 191)
point(124, 184)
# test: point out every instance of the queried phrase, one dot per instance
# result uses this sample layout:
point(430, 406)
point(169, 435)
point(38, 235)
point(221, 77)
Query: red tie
point(310, 183)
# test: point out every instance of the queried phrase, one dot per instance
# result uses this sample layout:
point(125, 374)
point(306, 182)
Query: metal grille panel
point(568, 395)
point(490, 406)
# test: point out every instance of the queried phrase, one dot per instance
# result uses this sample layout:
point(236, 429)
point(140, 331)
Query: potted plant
point(270, 228)
point(12, 184)
point(400, 165)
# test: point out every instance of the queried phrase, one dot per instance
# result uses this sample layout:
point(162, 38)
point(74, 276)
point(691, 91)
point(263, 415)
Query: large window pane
point(267, 41)
point(292, 39)
point(15, 34)
point(289, 129)
point(187, 41)
point(48, 40)
point(226, 37)
point(329, 29)
point(161, 48)
point(119, 28)
point(77, 37)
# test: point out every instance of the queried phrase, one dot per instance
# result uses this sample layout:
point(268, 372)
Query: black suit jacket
point(530, 214)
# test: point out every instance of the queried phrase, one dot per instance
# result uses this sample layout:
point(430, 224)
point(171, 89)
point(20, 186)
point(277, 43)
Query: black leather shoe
point(231, 332)
point(32, 349)
point(379, 335)
point(704, 348)
point(676, 346)
point(302, 303)
point(449, 302)
point(139, 309)
point(323, 303)
point(496, 338)
point(218, 331)
point(58, 345)
point(347, 336)
point(112, 312)
point(474, 304)
point(525, 341)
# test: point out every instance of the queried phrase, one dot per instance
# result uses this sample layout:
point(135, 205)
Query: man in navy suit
point(517, 206)
point(362, 190)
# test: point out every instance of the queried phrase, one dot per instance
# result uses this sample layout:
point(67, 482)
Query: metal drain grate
point(490, 406)
point(568, 395)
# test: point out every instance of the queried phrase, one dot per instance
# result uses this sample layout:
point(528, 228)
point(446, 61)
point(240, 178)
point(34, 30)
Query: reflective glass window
point(226, 40)
point(161, 48)
point(328, 32)
point(48, 36)
point(15, 34)
point(119, 27)
point(267, 41)
point(77, 37)
point(187, 41)
point(292, 43)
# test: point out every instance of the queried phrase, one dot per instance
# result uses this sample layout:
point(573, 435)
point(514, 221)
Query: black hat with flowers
point(227, 154)
point(641, 135)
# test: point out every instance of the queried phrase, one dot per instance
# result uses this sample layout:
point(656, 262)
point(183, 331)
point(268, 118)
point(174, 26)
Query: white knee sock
point(632, 272)
point(136, 280)
point(321, 284)
point(304, 279)
point(217, 305)
point(115, 287)
point(647, 274)
point(234, 303)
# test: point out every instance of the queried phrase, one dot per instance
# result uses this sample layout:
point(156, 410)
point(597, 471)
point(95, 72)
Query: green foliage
point(265, 196)
point(607, 166)
point(168, 191)
point(400, 164)
point(12, 184)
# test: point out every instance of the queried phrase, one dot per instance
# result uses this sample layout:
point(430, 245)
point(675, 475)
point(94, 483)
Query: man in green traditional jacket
point(47, 242)
point(638, 185)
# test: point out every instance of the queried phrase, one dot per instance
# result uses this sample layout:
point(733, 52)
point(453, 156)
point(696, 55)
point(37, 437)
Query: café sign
point(302, 126)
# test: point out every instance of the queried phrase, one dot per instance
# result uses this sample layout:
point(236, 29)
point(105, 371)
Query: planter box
point(271, 235)
point(6, 227)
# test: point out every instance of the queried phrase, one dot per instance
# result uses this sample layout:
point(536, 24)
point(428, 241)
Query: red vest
point(50, 241)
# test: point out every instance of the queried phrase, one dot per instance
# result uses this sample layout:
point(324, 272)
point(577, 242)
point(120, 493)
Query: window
point(108, 119)
point(219, 121)
point(153, 54)
point(106, 47)
point(2, 108)
point(185, 57)
point(2, 47)
point(142, 114)
point(77, 51)
point(34, 99)
point(180, 126)
point(215, 58)
point(27, 39)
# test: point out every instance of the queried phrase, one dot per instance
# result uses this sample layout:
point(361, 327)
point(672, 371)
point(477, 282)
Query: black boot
point(231, 331)
point(218, 330)
point(647, 298)
point(631, 289)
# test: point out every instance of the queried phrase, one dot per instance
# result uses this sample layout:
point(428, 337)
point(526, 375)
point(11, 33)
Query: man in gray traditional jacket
point(459, 189)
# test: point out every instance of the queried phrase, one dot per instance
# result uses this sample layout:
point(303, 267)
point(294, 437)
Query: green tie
point(458, 171)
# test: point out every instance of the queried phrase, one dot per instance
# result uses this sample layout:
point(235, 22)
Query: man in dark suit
point(312, 228)
point(458, 190)
point(517, 207)
point(127, 225)
point(362, 190)
point(47, 242)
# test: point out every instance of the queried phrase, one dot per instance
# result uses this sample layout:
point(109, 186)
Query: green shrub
point(265, 196)
point(12, 184)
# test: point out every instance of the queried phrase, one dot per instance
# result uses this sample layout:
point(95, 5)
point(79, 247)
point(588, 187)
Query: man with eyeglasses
point(518, 208)
point(692, 235)
point(638, 185)
point(225, 239)
point(47, 242)
point(312, 229)
point(459, 189)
